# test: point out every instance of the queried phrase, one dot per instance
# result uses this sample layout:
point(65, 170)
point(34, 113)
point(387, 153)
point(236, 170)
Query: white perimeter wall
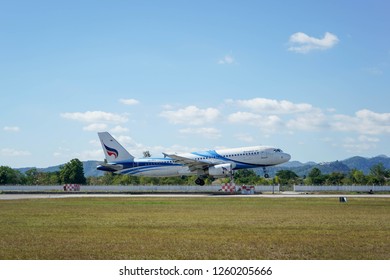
point(341, 188)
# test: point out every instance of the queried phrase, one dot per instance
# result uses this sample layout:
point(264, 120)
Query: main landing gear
point(199, 181)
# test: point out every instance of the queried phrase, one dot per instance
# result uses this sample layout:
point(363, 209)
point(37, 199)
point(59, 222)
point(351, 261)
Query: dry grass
point(195, 228)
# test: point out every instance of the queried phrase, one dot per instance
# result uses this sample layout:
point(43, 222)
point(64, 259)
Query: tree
point(73, 172)
point(335, 179)
point(9, 176)
point(357, 177)
point(35, 177)
point(287, 177)
point(315, 177)
point(378, 174)
point(245, 177)
point(32, 176)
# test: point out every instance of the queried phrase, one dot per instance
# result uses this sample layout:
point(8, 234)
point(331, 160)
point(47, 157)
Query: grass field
point(195, 228)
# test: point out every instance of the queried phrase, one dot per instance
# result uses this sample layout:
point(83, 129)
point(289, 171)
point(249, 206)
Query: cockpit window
point(278, 151)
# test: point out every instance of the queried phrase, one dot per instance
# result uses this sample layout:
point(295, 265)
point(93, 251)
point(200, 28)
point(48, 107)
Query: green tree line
point(73, 173)
point(378, 175)
point(70, 173)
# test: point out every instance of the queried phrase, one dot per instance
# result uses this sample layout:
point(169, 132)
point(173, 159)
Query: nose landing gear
point(266, 175)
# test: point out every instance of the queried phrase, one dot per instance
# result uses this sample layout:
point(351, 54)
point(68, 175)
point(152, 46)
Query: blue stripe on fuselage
point(145, 165)
point(137, 167)
point(214, 154)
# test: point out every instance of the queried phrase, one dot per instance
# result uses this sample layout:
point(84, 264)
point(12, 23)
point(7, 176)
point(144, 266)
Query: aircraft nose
point(286, 157)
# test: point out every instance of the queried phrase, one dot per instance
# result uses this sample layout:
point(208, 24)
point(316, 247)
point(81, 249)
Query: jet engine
point(221, 170)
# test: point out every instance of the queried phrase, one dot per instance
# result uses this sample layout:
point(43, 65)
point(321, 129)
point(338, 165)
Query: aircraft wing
point(192, 164)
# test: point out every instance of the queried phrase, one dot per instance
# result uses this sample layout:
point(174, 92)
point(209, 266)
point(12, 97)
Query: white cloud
point(309, 121)
point(245, 137)
point(227, 59)
point(365, 138)
point(7, 152)
point(95, 117)
point(62, 152)
point(273, 106)
point(129, 101)
point(91, 154)
point(245, 117)
point(191, 115)
point(364, 122)
point(168, 107)
point(67, 154)
point(127, 140)
point(95, 143)
point(383, 119)
point(11, 128)
point(360, 144)
point(206, 132)
point(278, 115)
point(95, 127)
point(303, 43)
point(119, 129)
point(269, 123)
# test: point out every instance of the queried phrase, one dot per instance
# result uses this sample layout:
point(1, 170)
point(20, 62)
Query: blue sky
point(309, 77)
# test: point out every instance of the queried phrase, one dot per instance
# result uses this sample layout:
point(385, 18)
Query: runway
point(281, 195)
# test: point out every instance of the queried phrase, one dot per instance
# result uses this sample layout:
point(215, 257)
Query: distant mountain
point(344, 166)
point(364, 164)
point(293, 164)
point(89, 169)
point(301, 169)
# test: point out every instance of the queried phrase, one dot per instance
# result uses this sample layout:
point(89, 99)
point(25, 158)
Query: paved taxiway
point(281, 195)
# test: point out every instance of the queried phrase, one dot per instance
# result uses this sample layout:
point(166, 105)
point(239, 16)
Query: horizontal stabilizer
point(109, 167)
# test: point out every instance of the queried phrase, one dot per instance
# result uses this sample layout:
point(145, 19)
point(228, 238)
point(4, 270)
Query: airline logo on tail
point(111, 151)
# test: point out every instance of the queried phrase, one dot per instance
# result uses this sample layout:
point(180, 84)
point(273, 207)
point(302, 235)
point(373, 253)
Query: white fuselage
point(238, 158)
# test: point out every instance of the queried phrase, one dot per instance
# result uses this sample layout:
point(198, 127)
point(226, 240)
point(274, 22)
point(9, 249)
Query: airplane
point(215, 163)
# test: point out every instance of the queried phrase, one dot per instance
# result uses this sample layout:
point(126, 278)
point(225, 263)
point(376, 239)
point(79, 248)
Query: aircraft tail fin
point(113, 151)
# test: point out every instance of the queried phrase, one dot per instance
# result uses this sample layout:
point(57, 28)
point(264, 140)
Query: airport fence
point(301, 188)
point(135, 189)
